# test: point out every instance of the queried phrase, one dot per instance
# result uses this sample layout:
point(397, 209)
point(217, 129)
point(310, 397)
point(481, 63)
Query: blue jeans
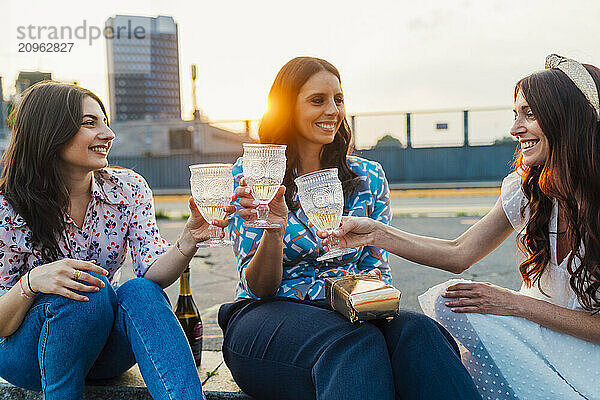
point(62, 342)
point(282, 349)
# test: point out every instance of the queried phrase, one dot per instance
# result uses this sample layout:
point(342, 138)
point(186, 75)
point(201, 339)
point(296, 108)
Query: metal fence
point(169, 172)
point(444, 164)
point(401, 165)
point(425, 128)
point(433, 128)
point(435, 146)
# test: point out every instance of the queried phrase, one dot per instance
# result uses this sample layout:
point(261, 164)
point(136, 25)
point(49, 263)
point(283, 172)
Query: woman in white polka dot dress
point(542, 342)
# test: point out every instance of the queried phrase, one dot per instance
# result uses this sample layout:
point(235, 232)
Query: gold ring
point(76, 274)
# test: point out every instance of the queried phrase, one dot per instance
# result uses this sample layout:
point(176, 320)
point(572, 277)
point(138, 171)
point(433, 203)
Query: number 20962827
point(27, 47)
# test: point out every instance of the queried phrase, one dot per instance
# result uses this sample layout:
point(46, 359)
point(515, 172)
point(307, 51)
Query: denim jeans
point(61, 342)
point(281, 349)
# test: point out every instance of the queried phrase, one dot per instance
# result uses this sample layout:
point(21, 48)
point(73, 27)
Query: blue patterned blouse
point(302, 246)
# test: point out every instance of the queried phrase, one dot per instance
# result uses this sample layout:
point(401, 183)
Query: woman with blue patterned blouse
point(66, 222)
point(281, 340)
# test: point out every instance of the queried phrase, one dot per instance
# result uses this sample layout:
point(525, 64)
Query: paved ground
point(444, 214)
point(214, 274)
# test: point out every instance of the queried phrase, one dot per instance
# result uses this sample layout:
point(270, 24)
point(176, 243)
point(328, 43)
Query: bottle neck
point(184, 283)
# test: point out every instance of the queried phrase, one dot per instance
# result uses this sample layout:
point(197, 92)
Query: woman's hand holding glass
point(322, 200)
point(64, 277)
point(353, 232)
point(264, 169)
point(211, 185)
point(278, 211)
point(199, 227)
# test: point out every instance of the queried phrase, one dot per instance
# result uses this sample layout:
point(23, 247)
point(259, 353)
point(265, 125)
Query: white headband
point(579, 76)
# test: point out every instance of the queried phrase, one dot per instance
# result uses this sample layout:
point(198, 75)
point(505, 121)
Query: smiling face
point(526, 129)
point(87, 150)
point(319, 109)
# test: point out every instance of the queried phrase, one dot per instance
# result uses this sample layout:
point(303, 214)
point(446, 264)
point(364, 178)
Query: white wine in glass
point(264, 168)
point(264, 190)
point(214, 210)
point(212, 187)
point(326, 219)
point(322, 199)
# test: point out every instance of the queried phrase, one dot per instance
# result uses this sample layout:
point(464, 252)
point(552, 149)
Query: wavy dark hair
point(47, 116)
point(571, 174)
point(278, 125)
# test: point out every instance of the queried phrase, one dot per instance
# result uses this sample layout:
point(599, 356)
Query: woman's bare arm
point(487, 298)
point(450, 255)
point(13, 308)
point(264, 272)
point(580, 324)
point(169, 266)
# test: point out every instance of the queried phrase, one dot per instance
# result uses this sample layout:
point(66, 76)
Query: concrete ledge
point(217, 382)
point(399, 185)
point(445, 185)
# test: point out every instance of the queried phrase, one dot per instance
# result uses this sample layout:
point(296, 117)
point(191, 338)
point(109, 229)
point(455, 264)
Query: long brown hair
point(47, 116)
point(571, 174)
point(278, 125)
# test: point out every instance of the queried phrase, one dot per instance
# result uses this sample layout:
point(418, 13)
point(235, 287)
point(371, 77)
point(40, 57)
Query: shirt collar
point(108, 188)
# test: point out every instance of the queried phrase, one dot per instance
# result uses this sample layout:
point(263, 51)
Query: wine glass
point(322, 199)
point(264, 169)
point(212, 187)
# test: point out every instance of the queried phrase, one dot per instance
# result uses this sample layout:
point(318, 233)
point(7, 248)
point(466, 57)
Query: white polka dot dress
point(511, 357)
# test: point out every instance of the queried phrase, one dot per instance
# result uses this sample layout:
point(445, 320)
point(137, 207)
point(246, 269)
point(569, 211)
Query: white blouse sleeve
point(514, 201)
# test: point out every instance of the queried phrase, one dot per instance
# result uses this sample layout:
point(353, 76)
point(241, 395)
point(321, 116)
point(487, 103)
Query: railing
point(401, 165)
point(419, 128)
point(432, 128)
point(169, 171)
point(435, 146)
point(241, 126)
point(444, 164)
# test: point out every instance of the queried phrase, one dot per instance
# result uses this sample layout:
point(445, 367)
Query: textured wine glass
point(212, 187)
point(264, 169)
point(322, 199)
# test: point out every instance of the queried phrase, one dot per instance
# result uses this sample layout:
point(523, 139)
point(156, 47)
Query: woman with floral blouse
point(281, 341)
point(66, 222)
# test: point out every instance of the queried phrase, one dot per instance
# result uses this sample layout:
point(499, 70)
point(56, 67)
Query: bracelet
point(181, 251)
point(23, 294)
point(29, 284)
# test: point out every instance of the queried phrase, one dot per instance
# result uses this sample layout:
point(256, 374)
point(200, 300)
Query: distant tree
point(388, 141)
point(505, 140)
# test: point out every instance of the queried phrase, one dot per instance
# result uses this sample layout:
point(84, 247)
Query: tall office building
point(143, 68)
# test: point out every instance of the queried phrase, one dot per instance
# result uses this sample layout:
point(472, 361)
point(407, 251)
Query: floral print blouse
point(302, 274)
point(120, 214)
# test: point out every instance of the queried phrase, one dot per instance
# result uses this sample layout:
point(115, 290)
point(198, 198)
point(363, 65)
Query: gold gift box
point(362, 297)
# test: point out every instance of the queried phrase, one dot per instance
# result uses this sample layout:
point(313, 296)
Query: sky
point(392, 55)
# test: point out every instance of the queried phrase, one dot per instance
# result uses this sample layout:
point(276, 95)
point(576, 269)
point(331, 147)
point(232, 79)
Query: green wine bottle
point(189, 317)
